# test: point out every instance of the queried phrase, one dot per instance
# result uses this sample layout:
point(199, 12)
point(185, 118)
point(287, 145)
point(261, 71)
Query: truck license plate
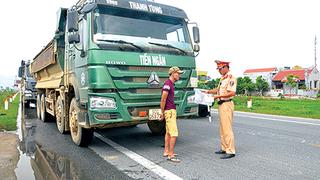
point(154, 114)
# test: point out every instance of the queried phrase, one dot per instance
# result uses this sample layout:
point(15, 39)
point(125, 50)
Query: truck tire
point(43, 115)
point(80, 136)
point(60, 116)
point(27, 104)
point(39, 106)
point(203, 110)
point(157, 127)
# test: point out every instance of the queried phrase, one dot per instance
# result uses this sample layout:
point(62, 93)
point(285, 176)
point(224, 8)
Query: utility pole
point(315, 51)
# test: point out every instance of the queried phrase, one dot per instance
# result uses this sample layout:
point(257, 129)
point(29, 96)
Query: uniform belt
point(223, 101)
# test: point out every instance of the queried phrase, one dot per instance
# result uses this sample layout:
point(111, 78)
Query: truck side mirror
point(73, 38)
point(196, 48)
point(20, 72)
point(72, 18)
point(196, 34)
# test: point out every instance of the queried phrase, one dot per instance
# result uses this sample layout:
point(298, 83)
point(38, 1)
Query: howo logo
point(153, 81)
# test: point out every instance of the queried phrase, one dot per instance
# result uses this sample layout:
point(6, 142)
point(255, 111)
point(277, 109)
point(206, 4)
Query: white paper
point(203, 98)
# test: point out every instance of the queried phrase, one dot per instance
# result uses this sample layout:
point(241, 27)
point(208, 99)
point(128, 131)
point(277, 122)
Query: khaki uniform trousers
point(226, 133)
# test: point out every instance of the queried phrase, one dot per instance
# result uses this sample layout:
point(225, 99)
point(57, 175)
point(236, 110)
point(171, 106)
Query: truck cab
point(27, 84)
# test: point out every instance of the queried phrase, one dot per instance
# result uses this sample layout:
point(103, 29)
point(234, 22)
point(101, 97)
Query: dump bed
point(47, 67)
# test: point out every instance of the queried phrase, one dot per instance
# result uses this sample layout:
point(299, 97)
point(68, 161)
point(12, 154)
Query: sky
point(248, 33)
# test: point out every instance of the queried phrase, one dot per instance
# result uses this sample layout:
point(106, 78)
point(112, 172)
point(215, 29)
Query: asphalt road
point(267, 147)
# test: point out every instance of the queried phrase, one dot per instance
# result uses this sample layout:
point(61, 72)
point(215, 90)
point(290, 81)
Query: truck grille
point(131, 83)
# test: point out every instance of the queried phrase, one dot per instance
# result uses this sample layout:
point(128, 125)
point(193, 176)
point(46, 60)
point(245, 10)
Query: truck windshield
point(144, 30)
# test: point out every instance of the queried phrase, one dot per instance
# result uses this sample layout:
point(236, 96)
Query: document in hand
point(203, 98)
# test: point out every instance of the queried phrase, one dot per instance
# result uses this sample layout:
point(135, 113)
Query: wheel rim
point(38, 106)
point(42, 108)
point(61, 164)
point(59, 115)
point(74, 123)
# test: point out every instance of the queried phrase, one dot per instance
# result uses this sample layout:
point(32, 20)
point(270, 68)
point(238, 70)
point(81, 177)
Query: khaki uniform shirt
point(227, 83)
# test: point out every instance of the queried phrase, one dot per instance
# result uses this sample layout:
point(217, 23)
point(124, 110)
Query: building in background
point(280, 79)
point(308, 78)
point(266, 73)
point(203, 76)
point(312, 78)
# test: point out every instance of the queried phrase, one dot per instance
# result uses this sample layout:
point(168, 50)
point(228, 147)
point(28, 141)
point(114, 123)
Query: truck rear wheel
point(43, 115)
point(157, 127)
point(80, 136)
point(39, 106)
point(203, 110)
point(60, 116)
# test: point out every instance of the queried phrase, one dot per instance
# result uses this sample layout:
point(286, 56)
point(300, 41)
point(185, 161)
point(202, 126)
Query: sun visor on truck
point(145, 6)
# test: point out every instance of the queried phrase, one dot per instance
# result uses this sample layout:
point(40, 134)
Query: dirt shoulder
point(9, 155)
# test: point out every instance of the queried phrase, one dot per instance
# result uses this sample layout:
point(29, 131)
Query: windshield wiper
point(169, 46)
point(123, 42)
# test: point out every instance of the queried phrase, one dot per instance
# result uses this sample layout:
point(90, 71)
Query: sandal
point(174, 159)
point(166, 155)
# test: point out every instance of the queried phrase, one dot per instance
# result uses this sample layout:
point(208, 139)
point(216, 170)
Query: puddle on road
point(36, 162)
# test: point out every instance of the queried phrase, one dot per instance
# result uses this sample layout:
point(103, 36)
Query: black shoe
point(220, 152)
point(227, 156)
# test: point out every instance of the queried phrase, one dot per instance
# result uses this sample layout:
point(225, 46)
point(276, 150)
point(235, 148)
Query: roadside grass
point(8, 119)
point(287, 107)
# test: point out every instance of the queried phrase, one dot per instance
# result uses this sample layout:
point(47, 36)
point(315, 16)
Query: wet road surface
point(268, 147)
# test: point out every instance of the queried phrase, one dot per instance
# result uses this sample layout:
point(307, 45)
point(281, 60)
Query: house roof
point(309, 70)
point(283, 74)
point(260, 70)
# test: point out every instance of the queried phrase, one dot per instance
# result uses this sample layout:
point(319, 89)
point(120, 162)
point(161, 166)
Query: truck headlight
point(191, 99)
point(102, 103)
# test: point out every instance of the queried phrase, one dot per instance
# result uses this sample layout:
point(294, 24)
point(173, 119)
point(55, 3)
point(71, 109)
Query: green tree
point(245, 85)
point(211, 84)
point(202, 85)
point(292, 81)
point(261, 85)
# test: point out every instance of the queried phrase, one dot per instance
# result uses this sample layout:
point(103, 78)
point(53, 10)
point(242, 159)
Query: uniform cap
point(175, 69)
point(221, 63)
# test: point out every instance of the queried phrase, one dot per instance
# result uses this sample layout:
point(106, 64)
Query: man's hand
point(216, 97)
point(161, 117)
point(211, 91)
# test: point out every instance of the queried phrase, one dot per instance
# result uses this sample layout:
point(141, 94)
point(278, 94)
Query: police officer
point(224, 93)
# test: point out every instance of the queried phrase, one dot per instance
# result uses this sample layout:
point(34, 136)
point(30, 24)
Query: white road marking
point(268, 115)
point(163, 173)
point(279, 120)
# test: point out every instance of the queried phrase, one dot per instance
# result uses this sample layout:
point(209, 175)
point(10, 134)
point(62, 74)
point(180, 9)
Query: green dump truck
point(107, 63)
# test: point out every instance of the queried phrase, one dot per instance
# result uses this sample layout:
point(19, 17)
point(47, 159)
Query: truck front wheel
point(60, 116)
point(80, 136)
point(157, 127)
